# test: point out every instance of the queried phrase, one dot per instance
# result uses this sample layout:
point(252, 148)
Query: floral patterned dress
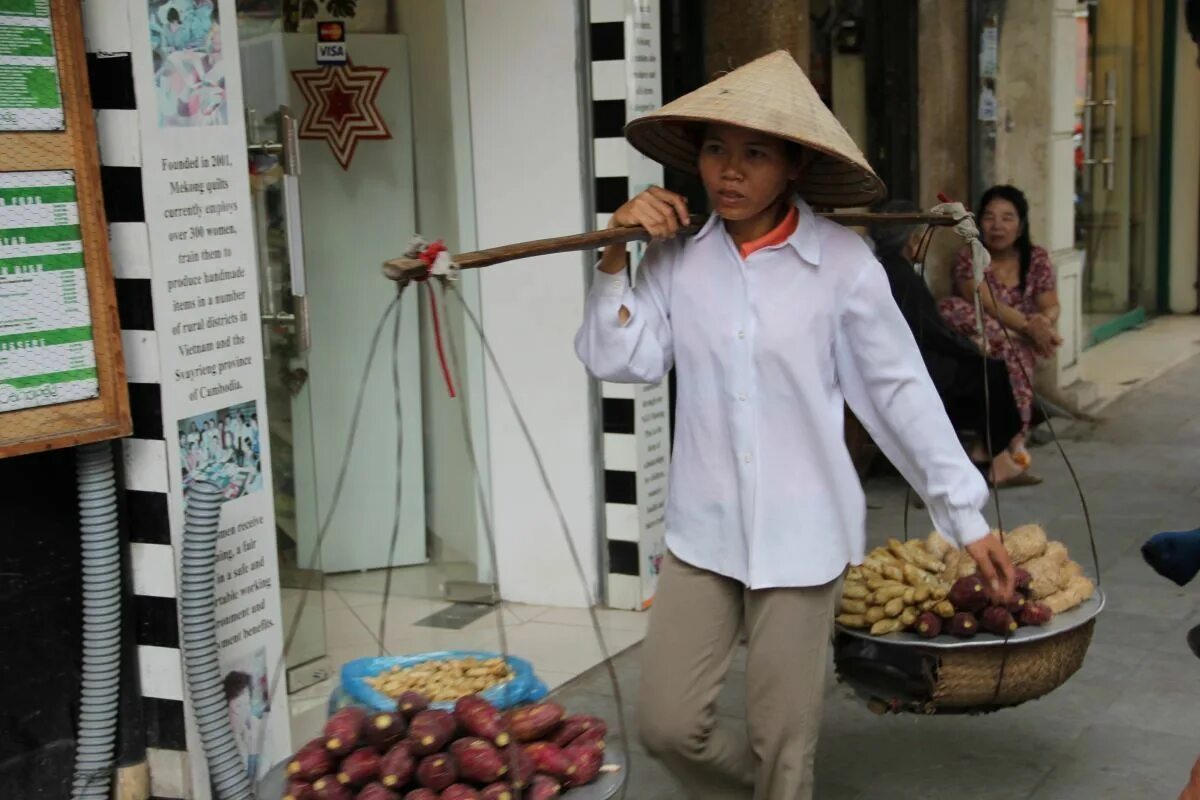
point(1015, 349)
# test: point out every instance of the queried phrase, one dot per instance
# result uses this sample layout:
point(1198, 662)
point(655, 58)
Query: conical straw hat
point(771, 95)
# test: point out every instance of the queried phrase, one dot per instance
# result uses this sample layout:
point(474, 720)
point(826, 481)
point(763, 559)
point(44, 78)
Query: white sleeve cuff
point(611, 293)
point(607, 285)
point(968, 526)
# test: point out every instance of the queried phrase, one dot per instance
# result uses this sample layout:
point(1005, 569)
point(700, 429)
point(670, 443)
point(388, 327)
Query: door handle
point(268, 308)
point(1110, 130)
point(1088, 161)
point(290, 152)
point(1109, 162)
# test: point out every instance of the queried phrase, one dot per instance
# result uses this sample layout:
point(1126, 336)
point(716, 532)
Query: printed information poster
point(46, 350)
point(643, 83)
point(30, 95)
point(195, 179)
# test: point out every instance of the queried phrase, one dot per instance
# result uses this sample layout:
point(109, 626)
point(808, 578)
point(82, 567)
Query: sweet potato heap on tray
point(929, 587)
point(472, 753)
point(443, 680)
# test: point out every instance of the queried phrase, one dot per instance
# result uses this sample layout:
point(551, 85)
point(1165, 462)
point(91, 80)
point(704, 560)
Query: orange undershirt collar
point(778, 235)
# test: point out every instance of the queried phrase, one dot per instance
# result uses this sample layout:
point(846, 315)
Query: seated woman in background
point(955, 364)
point(1019, 298)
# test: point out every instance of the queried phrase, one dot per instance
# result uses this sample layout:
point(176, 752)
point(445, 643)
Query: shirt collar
point(805, 240)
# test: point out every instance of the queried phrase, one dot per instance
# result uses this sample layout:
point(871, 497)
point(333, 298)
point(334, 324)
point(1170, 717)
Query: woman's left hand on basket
point(995, 567)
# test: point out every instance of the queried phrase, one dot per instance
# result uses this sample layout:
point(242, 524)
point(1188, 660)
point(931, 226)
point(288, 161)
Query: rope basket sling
point(890, 674)
point(979, 676)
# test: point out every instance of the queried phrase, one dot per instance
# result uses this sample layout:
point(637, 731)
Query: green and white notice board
point(62, 374)
point(46, 349)
point(30, 89)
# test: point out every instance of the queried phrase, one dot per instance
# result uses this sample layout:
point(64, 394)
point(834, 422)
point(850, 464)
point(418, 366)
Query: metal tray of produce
point(1068, 620)
point(606, 786)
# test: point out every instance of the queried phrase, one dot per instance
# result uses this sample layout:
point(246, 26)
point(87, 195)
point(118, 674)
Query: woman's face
point(1000, 225)
point(744, 172)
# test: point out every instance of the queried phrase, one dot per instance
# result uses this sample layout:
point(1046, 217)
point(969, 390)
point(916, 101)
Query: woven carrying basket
point(968, 678)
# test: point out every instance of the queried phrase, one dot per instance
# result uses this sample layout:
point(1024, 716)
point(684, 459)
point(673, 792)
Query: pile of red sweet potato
point(472, 753)
point(974, 611)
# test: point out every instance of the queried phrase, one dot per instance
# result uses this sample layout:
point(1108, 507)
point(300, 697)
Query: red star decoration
point(341, 107)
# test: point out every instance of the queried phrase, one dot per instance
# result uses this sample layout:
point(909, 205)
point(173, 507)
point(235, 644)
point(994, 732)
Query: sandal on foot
point(1022, 479)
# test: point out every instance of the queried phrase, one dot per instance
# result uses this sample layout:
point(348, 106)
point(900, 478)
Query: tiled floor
point(560, 642)
point(426, 580)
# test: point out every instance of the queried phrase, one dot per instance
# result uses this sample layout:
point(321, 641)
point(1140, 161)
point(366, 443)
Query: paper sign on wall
point(195, 175)
point(30, 91)
point(652, 426)
point(47, 355)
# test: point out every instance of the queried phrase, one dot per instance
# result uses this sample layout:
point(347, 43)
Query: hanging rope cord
point(922, 252)
point(622, 726)
point(314, 560)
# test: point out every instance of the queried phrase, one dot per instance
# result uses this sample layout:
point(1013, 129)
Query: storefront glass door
point(275, 168)
point(1114, 167)
point(348, 441)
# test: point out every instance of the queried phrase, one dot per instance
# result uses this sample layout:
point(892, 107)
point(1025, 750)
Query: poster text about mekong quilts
point(211, 292)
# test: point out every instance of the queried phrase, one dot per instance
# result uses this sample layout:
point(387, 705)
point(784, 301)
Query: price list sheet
point(47, 354)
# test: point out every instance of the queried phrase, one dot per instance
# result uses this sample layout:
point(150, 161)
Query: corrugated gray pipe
point(197, 597)
point(99, 694)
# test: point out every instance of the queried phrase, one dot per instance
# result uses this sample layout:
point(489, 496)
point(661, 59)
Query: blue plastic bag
point(523, 687)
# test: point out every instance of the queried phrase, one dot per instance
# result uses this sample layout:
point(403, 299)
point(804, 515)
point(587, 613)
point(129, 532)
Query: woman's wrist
point(613, 260)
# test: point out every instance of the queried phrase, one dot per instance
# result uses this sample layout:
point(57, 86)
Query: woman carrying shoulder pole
point(774, 320)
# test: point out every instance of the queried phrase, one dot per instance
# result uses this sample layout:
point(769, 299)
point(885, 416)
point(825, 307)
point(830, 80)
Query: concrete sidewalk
point(1126, 726)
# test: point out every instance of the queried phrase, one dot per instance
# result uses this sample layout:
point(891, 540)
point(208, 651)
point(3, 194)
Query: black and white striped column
point(107, 32)
point(635, 418)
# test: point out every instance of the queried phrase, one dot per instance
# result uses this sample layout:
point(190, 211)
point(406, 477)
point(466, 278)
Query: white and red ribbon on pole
point(439, 265)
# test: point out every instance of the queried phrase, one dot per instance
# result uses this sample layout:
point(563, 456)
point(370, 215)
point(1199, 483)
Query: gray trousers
point(695, 625)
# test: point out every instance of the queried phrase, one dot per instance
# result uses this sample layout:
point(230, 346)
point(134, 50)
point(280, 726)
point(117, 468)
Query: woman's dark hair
point(173, 15)
point(1191, 15)
point(1024, 242)
point(890, 238)
point(235, 683)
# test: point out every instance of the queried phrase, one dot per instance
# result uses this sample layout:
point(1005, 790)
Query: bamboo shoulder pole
point(402, 269)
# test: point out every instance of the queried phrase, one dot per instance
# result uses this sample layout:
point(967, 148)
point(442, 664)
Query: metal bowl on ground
point(902, 672)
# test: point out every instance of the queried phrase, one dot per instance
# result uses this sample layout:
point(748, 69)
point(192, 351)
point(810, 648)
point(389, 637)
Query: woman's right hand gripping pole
point(661, 212)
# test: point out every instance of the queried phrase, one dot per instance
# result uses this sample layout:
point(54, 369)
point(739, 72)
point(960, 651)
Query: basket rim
point(1061, 624)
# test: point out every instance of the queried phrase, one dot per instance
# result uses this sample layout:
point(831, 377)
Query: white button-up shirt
point(767, 352)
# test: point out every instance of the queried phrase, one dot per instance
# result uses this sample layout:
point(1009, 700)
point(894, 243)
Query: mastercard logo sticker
point(331, 32)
